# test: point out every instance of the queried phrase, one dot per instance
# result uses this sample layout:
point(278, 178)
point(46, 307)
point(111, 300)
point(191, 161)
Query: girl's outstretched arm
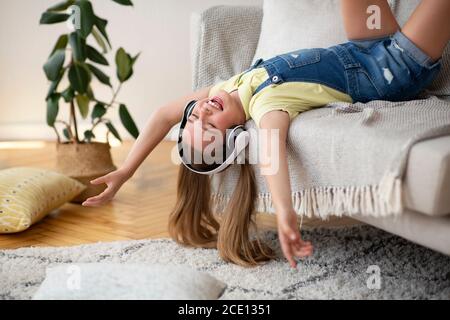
point(157, 127)
point(280, 187)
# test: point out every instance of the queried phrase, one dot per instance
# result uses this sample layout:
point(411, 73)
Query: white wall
point(158, 29)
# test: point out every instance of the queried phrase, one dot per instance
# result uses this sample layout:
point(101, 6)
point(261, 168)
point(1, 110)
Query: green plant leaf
point(128, 121)
point(51, 18)
point(83, 105)
point(96, 56)
point(124, 2)
point(98, 38)
point(89, 135)
point(100, 75)
point(78, 45)
point(101, 26)
point(66, 133)
point(124, 64)
point(60, 44)
point(79, 77)
point(54, 85)
point(134, 59)
point(51, 89)
point(52, 109)
point(87, 18)
point(68, 94)
point(98, 111)
point(61, 6)
point(54, 64)
point(113, 130)
point(90, 93)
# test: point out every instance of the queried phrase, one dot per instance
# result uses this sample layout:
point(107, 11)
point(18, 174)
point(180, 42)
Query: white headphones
point(237, 139)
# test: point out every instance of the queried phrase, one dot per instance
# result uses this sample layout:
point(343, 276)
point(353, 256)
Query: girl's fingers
point(302, 244)
point(287, 251)
point(94, 203)
point(301, 248)
point(303, 252)
point(306, 243)
point(99, 180)
point(102, 197)
point(90, 204)
point(98, 197)
point(291, 242)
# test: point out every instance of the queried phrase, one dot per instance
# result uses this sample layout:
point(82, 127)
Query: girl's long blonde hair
point(192, 222)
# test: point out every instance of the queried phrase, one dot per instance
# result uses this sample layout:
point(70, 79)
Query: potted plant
point(71, 68)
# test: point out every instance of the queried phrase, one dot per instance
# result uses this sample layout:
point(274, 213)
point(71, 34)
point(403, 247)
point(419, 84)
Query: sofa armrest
point(223, 42)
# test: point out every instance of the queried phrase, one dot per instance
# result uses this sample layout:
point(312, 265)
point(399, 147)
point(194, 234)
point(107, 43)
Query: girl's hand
point(114, 180)
point(291, 243)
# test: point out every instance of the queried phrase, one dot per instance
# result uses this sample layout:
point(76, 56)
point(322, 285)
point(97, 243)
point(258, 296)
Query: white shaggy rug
point(337, 270)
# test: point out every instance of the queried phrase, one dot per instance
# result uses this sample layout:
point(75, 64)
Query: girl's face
point(213, 116)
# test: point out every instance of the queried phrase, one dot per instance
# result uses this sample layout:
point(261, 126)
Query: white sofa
point(230, 34)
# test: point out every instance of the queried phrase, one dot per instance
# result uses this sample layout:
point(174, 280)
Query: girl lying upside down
point(380, 64)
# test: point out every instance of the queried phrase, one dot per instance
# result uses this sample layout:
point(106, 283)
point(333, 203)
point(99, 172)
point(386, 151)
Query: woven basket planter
point(84, 162)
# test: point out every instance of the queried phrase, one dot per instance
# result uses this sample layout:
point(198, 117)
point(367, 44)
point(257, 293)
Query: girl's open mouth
point(216, 102)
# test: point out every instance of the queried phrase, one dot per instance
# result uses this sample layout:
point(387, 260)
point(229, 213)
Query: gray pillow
point(106, 281)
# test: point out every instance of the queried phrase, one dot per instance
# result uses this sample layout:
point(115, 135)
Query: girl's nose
point(204, 111)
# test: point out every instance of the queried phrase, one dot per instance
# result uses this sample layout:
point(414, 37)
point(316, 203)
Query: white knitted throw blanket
point(348, 159)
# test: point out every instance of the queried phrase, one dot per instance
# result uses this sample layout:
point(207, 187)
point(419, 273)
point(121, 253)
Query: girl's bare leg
point(429, 27)
point(354, 14)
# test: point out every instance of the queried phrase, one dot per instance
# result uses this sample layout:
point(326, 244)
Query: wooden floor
point(139, 211)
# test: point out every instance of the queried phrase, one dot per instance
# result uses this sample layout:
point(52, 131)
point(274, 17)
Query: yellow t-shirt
point(292, 97)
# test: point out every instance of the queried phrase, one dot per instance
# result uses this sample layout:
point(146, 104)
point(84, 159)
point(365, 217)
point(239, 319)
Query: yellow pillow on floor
point(28, 194)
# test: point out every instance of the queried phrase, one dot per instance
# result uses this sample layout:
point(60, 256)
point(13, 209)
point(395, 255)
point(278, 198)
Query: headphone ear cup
point(189, 108)
point(186, 113)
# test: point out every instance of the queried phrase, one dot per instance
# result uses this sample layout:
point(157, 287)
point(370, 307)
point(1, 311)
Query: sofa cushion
point(427, 177)
point(289, 25)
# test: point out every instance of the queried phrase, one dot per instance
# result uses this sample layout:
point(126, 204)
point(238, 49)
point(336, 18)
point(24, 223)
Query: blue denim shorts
point(391, 68)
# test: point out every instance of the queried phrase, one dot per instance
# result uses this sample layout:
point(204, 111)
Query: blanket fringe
point(384, 199)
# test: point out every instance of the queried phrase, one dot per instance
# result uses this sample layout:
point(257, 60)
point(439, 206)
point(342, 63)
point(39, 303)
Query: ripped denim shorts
point(391, 68)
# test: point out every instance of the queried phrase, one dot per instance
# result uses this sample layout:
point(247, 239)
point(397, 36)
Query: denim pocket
point(301, 57)
point(367, 89)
